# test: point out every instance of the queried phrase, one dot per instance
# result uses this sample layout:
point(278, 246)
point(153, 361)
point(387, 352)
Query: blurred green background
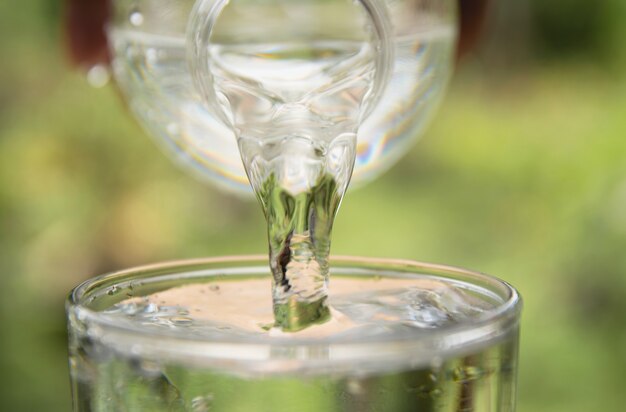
point(522, 174)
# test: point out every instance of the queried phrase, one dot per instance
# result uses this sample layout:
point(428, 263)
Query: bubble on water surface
point(438, 307)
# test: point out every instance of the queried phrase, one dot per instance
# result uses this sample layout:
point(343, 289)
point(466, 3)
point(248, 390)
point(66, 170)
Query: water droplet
point(113, 290)
point(98, 76)
point(136, 18)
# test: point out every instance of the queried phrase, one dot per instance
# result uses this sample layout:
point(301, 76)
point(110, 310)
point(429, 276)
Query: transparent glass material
point(161, 49)
point(133, 347)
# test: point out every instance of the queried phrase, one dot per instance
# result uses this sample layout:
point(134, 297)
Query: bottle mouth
point(244, 22)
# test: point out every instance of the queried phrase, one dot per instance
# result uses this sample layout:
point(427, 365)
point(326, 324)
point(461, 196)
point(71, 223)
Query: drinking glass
point(174, 336)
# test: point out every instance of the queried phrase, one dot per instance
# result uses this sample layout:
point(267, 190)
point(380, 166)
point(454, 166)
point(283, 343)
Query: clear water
point(111, 373)
point(150, 66)
point(295, 109)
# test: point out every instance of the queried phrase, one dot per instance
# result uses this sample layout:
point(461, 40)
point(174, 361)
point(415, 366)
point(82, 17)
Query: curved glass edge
point(500, 324)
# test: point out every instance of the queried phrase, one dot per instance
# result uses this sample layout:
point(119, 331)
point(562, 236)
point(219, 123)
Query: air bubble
point(202, 403)
point(136, 18)
point(98, 76)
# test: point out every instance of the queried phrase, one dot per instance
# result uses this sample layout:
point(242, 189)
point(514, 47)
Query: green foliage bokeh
point(522, 175)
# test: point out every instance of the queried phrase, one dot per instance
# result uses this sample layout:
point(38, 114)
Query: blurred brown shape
point(86, 40)
point(85, 22)
point(472, 18)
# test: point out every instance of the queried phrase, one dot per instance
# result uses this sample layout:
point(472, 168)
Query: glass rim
point(478, 332)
